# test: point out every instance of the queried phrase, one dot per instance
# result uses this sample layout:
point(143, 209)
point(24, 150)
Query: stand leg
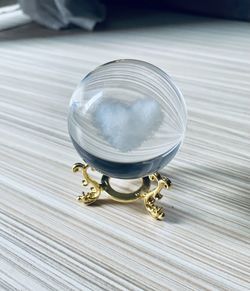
point(95, 189)
point(151, 197)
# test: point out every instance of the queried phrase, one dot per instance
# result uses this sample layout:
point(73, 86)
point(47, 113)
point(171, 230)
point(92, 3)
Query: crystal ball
point(127, 119)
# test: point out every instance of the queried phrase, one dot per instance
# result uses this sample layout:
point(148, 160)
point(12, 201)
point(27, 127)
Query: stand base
point(144, 192)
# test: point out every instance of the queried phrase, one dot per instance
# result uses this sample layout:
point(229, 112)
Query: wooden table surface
point(48, 240)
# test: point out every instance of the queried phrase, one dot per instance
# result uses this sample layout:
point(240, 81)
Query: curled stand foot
point(151, 197)
point(95, 188)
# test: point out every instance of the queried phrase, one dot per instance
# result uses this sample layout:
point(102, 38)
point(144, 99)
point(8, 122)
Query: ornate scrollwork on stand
point(95, 188)
point(144, 192)
point(151, 197)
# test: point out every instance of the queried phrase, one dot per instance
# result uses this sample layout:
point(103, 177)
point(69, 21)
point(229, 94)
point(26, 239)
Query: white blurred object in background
point(11, 16)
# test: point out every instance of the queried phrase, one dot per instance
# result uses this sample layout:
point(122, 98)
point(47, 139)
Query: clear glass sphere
point(127, 119)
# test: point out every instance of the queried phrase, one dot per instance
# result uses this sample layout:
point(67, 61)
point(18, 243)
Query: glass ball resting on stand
point(127, 119)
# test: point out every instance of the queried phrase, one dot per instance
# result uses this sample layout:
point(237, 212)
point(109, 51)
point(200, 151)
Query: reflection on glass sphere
point(127, 119)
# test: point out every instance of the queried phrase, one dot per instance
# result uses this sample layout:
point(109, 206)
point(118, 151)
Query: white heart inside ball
point(126, 126)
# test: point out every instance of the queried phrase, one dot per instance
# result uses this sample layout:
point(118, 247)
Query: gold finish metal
point(125, 197)
point(95, 189)
point(152, 196)
point(144, 192)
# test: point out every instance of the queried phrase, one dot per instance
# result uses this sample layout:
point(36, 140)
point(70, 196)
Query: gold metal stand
point(144, 192)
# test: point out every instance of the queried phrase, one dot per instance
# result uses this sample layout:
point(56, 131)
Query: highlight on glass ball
point(127, 120)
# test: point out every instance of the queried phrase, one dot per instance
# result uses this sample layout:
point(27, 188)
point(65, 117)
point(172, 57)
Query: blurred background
point(88, 14)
